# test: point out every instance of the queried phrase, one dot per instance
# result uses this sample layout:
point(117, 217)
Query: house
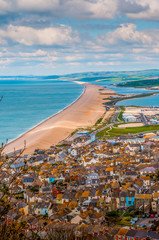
point(76, 220)
point(29, 196)
point(22, 207)
point(92, 178)
point(28, 181)
point(50, 179)
point(143, 202)
point(109, 171)
point(127, 198)
point(133, 147)
point(43, 208)
point(17, 166)
point(147, 170)
point(121, 234)
point(146, 181)
point(155, 202)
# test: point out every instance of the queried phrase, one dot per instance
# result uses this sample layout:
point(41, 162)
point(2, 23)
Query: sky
point(57, 37)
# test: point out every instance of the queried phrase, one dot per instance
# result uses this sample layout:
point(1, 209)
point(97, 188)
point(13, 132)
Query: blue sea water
point(26, 103)
point(147, 101)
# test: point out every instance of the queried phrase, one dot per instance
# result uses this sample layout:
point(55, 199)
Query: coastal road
point(116, 114)
point(103, 128)
point(113, 121)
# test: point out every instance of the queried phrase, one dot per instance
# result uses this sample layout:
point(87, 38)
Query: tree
point(9, 230)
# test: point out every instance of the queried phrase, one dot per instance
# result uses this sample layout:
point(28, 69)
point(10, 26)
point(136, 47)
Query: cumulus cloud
point(131, 6)
point(79, 9)
point(61, 35)
point(83, 9)
point(150, 10)
point(127, 33)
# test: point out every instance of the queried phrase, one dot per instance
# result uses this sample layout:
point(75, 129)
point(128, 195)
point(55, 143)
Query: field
point(114, 132)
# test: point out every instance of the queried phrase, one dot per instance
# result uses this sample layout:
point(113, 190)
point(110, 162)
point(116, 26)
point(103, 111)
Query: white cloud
point(73, 58)
point(33, 54)
point(138, 50)
point(38, 5)
point(5, 61)
point(78, 9)
point(73, 63)
point(84, 9)
point(103, 63)
point(5, 6)
point(103, 9)
point(127, 33)
point(151, 11)
point(61, 35)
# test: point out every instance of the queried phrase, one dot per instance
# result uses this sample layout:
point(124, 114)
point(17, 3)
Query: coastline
point(44, 120)
point(151, 95)
point(141, 95)
point(83, 112)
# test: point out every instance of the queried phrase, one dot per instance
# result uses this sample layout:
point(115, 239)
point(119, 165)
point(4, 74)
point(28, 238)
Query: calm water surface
point(26, 103)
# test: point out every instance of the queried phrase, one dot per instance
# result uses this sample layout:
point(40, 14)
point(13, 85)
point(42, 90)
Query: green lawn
point(121, 113)
point(114, 132)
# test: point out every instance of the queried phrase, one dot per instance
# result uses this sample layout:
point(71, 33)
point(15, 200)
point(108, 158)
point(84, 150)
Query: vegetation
point(121, 113)
point(10, 230)
point(113, 217)
point(140, 83)
point(98, 121)
point(114, 132)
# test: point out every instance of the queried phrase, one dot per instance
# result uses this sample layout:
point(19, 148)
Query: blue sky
point(46, 37)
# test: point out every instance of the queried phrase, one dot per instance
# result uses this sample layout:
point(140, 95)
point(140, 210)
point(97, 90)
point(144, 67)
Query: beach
point(85, 111)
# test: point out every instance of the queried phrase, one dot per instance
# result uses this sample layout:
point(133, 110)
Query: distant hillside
point(148, 83)
point(113, 76)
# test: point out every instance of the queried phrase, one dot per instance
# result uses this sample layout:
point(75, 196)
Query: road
point(103, 128)
point(116, 114)
point(113, 121)
point(143, 118)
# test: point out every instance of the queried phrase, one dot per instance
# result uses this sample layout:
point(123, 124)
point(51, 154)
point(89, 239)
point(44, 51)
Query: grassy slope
point(114, 132)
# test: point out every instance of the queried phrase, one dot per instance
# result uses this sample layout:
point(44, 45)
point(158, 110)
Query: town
point(96, 186)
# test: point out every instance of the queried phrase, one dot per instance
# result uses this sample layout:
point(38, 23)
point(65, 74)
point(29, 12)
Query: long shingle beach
point(82, 113)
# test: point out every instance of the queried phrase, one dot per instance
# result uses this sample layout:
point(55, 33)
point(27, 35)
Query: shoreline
point(152, 95)
point(140, 95)
point(43, 121)
point(83, 112)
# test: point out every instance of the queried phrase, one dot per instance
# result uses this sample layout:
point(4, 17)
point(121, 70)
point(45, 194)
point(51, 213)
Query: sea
point(151, 101)
point(26, 103)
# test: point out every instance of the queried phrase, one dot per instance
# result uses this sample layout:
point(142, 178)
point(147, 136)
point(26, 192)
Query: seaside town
point(79, 120)
point(88, 187)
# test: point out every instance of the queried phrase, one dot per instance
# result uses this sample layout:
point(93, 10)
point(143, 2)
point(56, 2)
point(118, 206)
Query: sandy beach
point(82, 113)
